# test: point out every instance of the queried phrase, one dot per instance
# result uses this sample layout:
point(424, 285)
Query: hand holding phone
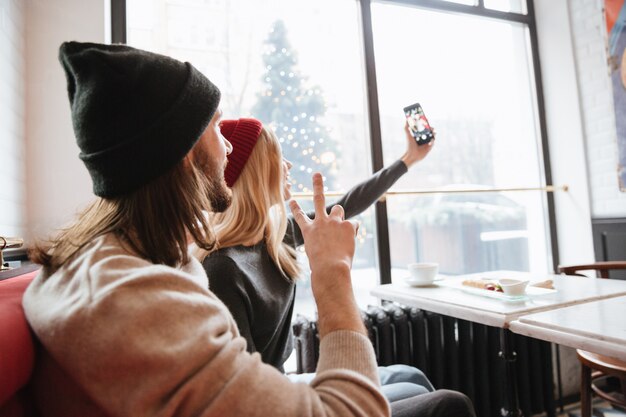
point(418, 124)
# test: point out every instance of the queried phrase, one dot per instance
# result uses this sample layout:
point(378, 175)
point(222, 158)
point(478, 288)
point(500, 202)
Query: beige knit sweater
point(123, 337)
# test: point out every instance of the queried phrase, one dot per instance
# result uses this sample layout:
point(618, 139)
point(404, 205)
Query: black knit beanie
point(135, 113)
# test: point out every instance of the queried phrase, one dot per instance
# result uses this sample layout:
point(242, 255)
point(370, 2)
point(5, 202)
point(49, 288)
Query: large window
point(474, 79)
point(300, 66)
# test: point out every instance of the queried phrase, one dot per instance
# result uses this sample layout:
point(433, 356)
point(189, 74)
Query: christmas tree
point(293, 110)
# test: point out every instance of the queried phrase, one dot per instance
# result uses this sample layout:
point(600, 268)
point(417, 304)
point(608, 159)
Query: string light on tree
point(295, 109)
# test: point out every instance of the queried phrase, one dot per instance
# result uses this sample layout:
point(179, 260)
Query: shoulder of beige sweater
point(107, 263)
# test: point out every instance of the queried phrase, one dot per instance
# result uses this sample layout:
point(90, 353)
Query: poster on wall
point(615, 15)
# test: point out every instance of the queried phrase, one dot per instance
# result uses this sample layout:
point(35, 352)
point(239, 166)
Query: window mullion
point(382, 226)
point(543, 129)
point(118, 21)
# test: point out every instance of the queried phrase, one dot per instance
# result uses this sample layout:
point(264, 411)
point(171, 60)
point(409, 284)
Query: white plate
point(408, 281)
point(530, 291)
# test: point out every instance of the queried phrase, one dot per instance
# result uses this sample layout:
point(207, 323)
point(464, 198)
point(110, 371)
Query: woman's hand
point(414, 152)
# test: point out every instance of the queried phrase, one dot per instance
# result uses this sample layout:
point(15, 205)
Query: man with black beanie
point(121, 311)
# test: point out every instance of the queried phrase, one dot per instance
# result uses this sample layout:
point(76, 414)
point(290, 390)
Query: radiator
point(454, 354)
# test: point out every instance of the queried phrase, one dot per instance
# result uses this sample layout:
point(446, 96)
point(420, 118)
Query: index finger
point(298, 214)
point(319, 200)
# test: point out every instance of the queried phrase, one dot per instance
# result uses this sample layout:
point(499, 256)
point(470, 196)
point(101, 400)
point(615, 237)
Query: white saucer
point(413, 283)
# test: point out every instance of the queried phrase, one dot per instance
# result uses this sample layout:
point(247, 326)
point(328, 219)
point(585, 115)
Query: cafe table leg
point(507, 353)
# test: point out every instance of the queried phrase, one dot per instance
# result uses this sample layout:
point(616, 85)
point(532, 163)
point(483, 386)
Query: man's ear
point(188, 160)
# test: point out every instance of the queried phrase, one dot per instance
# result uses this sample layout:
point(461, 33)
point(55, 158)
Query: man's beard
point(219, 194)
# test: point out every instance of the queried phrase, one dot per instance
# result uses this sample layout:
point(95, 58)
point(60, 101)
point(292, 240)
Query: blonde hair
point(258, 206)
point(154, 220)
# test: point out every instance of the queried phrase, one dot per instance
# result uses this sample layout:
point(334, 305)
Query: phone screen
point(418, 124)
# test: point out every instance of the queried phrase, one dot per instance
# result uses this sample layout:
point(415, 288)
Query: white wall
point(589, 36)
point(565, 132)
point(567, 150)
point(12, 145)
point(57, 182)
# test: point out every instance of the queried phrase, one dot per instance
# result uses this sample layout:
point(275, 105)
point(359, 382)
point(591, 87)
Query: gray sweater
point(258, 295)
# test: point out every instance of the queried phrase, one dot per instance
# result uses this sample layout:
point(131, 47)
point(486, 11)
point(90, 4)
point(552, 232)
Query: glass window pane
point(513, 6)
point(294, 65)
point(472, 77)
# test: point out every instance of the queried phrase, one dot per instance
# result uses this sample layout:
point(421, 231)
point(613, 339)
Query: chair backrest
point(601, 268)
point(17, 351)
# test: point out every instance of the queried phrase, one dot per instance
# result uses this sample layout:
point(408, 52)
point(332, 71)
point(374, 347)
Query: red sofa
point(17, 350)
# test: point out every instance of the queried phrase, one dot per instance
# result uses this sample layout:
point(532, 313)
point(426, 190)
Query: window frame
point(119, 35)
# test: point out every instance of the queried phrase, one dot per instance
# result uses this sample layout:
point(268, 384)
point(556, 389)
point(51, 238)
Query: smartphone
point(418, 124)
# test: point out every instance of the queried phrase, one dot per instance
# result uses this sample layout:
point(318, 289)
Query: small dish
point(420, 283)
point(513, 287)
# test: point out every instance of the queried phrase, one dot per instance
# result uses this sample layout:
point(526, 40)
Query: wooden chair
point(593, 366)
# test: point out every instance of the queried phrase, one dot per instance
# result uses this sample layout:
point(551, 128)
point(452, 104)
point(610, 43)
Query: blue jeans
point(398, 381)
point(403, 381)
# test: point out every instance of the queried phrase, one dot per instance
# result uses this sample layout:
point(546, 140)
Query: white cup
point(423, 272)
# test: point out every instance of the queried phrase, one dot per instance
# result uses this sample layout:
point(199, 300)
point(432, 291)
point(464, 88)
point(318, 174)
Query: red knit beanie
point(242, 134)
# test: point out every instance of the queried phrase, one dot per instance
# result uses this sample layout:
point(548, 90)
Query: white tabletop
point(598, 326)
point(447, 297)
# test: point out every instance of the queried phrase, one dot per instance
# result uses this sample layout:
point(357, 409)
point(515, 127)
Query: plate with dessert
point(504, 288)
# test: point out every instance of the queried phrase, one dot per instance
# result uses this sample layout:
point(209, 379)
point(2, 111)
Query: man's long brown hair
point(154, 220)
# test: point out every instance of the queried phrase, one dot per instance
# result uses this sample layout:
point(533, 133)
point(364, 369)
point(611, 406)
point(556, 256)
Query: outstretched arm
point(363, 195)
